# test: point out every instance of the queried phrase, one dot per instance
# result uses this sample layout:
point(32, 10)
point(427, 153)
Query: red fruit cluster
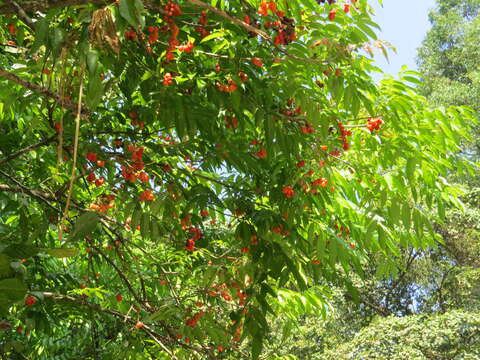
point(91, 156)
point(167, 79)
point(172, 9)
point(196, 235)
point(300, 164)
point(266, 6)
point(288, 191)
point(188, 47)
point(262, 153)
point(91, 177)
point(243, 77)
point(57, 126)
point(295, 112)
point(128, 171)
point(139, 325)
point(195, 318)
point(30, 300)
point(231, 122)
point(203, 22)
point(138, 123)
point(100, 181)
point(284, 26)
point(130, 34)
point(307, 129)
point(374, 123)
point(343, 136)
point(146, 195)
point(322, 182)
point(12, 29)
point(230, 87)
point(279, 229)
point(153, 34)
point(332, 14)
point(257, 62)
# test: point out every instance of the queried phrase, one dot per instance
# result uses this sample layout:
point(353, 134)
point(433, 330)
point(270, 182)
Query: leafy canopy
point(171, 173)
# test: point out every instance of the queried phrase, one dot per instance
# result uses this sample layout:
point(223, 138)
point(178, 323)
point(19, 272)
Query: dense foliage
point(173, 173)
point(449, 53)
point(429, 309)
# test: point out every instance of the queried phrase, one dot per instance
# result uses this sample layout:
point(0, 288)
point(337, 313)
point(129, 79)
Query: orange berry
point(139, 325)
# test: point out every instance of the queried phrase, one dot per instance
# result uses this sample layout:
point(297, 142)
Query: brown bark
point(45, 5)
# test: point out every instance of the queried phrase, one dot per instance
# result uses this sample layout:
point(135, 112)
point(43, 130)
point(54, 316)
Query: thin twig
point(231, 18)
point(41, 90)
point(27, 149)
point(45, 197)
point(145, 328)
point(75, 154)
point(22, 14)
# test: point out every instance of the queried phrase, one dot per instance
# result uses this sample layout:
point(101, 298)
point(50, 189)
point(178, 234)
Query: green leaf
point(257, 345)
point(5, 269)
point(214, 35)
point(85, 225)
point(131, 11)
point(406, 215)
point(12, 290)
point(62, 252)
point(20, 251)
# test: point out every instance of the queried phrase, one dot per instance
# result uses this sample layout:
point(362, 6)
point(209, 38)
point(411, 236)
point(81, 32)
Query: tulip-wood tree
point(173, 173)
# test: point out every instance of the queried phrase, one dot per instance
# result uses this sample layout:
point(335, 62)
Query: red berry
point(262, 153)
point(139, 325)
point(288, 191)
point(91, 177)
point(100, 181)
point(257, 62)
point(91, 156)
point(30, 300)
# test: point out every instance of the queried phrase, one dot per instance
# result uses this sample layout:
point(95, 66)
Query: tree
point(447, 55)
point(172, 173)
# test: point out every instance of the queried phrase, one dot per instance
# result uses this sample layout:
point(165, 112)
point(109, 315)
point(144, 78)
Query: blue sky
point(404, 24)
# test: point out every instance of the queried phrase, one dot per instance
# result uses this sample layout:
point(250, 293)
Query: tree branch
point(27, 149)
point(123, 277)
point(231, 18)
point(38, 5)
point(44, 196)
point(145, 328)
point(68, 104)
point(22, 14)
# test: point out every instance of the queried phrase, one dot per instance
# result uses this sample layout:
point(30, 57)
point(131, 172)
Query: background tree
point(447, 57)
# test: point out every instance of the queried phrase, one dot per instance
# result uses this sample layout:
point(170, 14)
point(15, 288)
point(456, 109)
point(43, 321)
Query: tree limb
point(68, 104)
point(38, 5)
point(231, 18)
point(22, 14)
point(145, 328)
point(27, 149)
